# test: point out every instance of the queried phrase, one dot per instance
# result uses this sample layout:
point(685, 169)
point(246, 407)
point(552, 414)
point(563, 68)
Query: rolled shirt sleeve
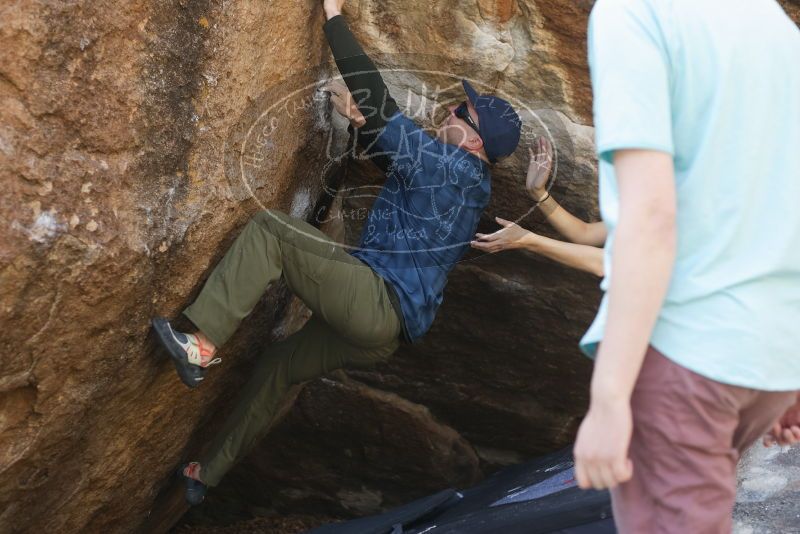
point(629, 66)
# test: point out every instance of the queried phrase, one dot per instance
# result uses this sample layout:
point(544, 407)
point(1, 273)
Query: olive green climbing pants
point(353, 324)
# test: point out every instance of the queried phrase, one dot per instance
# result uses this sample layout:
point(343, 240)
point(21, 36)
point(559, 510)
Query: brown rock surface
point(119, 129)
point(137, 137)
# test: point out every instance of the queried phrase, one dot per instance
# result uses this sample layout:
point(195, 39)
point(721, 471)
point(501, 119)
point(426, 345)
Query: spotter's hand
point(539, 167)
point(786, 431)
point(510, 236)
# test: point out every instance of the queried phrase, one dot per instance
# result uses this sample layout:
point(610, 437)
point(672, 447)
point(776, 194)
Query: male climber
point(365, 301)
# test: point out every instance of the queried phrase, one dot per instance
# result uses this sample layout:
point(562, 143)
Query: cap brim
point(472, 94)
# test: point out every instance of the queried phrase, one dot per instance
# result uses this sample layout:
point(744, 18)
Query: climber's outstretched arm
point(360, 74)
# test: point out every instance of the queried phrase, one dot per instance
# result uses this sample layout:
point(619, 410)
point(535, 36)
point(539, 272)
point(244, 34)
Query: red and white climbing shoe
point(189, 353)
point(195, 489)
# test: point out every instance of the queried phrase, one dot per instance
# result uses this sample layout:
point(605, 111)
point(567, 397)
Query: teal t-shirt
point(716, 84)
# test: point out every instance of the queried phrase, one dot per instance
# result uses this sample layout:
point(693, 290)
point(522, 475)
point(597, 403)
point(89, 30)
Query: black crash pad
point(539, 496)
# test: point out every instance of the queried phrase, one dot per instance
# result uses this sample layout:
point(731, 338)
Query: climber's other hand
point(332, 8)
point(344, 104)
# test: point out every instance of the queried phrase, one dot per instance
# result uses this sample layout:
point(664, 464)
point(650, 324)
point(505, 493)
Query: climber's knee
point(381, 354)
point(274, 221)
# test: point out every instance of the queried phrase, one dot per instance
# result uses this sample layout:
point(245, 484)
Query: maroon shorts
point(688, 434)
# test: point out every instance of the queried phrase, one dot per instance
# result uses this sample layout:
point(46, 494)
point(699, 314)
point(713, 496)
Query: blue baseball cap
point(500, 125)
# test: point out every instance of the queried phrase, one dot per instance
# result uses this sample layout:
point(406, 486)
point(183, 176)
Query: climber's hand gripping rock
point(344, 103)
point(332, 7)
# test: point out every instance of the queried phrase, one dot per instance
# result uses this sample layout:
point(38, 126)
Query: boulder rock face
point(136, 138)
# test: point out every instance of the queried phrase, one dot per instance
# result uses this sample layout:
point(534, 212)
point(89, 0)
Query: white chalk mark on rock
point(301, 203)
point(44, 228)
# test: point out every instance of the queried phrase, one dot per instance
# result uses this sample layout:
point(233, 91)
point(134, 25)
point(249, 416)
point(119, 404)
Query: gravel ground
point(768, 500)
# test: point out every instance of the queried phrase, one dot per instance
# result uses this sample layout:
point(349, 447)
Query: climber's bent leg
point(313, 351)
point(341, 289)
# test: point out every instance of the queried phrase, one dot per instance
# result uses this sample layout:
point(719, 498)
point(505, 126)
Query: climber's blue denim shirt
point(424, 218)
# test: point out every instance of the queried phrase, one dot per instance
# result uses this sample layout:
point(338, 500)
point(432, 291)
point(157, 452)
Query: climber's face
point(457, 131)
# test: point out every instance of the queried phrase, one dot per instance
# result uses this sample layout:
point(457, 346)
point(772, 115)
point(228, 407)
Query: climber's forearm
point(571, 227)
point(362, 78)
point(584, 257)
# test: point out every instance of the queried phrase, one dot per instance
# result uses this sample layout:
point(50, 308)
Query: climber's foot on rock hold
point(195, 489)
point(191, 353)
